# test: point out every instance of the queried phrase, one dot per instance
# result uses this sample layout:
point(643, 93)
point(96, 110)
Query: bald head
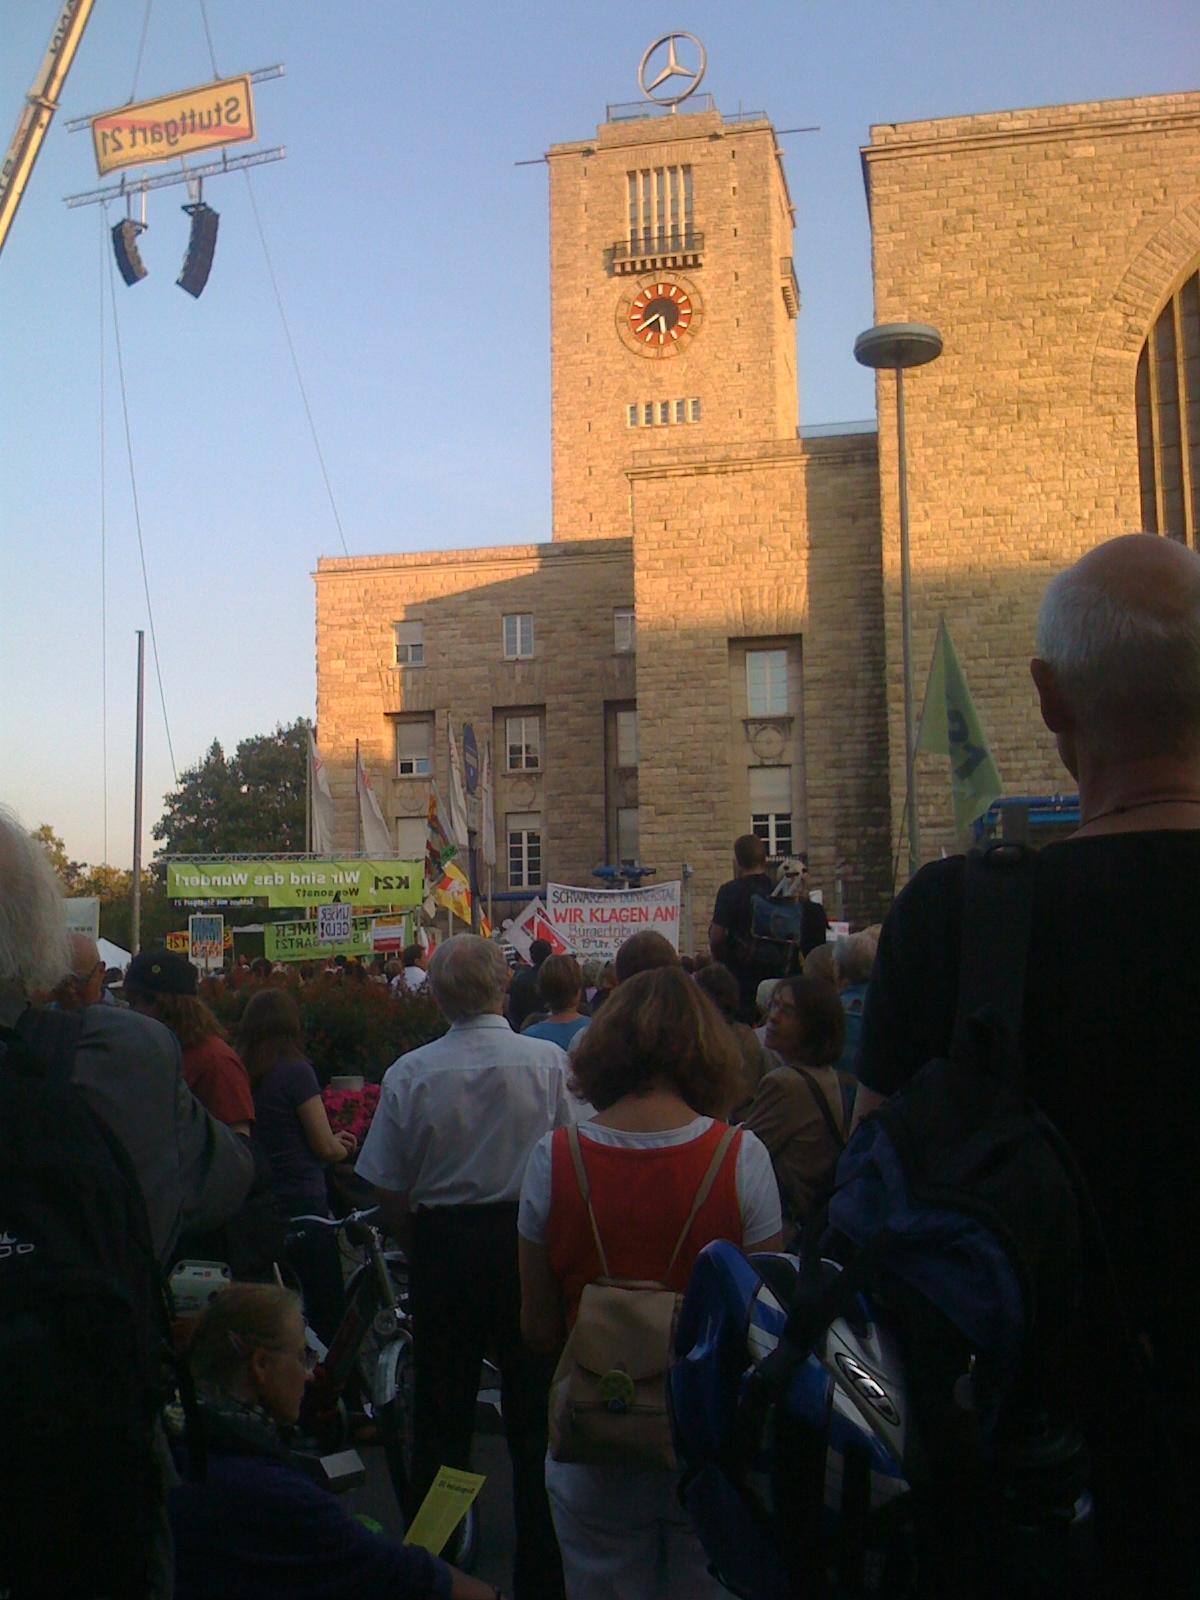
point(87, 969)
point(1119, 649)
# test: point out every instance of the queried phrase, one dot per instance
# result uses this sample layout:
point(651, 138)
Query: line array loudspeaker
point(197, 264)
point(129, 262)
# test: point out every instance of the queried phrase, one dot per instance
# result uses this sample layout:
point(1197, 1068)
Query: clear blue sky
point(411, 253)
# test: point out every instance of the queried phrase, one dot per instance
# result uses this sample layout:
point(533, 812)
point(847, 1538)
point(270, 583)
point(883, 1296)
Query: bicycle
point(374, 1343)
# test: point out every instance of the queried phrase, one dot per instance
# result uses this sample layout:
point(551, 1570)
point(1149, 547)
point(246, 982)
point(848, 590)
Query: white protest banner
point(534, 923)
point(206, 940)
point(333, 924)
point(596, 922)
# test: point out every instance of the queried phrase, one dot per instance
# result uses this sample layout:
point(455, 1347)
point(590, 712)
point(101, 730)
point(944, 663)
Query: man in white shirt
point(412, 979)
point(447, 1151)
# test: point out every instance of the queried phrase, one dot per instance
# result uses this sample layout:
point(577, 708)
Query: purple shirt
point(297, 1176)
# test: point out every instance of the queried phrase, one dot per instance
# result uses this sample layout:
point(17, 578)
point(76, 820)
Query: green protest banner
point(301, 941)
point(398, 884)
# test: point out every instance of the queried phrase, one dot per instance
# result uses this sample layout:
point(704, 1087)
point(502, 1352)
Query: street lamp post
point(895, 346)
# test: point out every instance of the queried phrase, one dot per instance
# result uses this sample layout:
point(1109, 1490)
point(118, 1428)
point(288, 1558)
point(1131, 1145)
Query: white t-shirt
point(757, 1191)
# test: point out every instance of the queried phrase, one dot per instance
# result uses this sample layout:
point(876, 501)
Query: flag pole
point(308, 794)
point(358, 802)
point(135, 922)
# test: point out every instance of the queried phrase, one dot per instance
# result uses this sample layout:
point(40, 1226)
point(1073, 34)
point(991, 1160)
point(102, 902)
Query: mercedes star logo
point(655, 74)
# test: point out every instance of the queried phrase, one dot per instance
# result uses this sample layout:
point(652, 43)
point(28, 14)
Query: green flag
point(950, 727)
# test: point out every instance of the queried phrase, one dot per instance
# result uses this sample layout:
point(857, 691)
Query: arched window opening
point(1168, 416)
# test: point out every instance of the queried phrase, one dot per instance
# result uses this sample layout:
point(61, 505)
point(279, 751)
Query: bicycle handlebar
point(370, 1215)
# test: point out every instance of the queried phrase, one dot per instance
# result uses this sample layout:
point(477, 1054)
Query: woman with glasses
point(802, 1109)
point(256, 1526)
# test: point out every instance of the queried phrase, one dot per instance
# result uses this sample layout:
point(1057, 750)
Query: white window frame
point(664, 413)
point(695, 408)
point(648, 413)
point(624, 630)
point(773, 825)
point(412, 765)
point(681, 411)
point(409, 643)
point(770, 699)
point(517, 636)
point(625, 732)
point(523, 842)
point(524, 733)
point(633, 415)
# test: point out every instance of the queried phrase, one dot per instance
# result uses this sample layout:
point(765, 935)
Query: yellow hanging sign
point(174, 125)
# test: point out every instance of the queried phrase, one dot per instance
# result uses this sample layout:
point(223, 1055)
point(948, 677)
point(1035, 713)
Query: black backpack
point(82, 1337)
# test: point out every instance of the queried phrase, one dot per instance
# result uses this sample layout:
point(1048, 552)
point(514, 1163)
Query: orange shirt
point(214, 1073)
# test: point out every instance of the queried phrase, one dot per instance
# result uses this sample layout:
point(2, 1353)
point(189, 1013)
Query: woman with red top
point(163, 985)
point(656, 1062)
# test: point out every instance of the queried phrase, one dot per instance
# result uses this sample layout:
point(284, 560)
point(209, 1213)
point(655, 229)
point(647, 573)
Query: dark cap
point(161, 972)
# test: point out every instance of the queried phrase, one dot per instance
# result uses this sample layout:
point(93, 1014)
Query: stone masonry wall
point(789, 545)
point(1041, 243)
point(740, 364)
point(461, 597)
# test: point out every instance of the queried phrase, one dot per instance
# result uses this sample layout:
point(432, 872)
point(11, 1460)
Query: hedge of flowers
point(349, 1027)
point(351, 1110)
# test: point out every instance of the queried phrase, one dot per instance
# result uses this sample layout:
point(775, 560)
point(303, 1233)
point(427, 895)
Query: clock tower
point(672, 300)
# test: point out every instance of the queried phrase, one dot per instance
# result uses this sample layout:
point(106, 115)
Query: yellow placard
point(443, 1508)
point(174, 125)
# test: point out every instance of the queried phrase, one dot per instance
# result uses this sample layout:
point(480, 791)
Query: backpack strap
point(997, 920)
point(585, 1190)
point(818, 1094)
point(702, 1193)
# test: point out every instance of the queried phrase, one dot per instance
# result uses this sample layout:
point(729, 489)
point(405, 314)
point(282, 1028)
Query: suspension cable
point(104, 243)
point(137, 516)
point(141, 49)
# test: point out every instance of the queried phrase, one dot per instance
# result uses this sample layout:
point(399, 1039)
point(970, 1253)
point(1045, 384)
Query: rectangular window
point(624, 630)
point(522, 744)
point(627, 742)
point(518, 636)
point(627, 836)
point(410, 643)
point(695, 405)
point(681, 411)
point(771, 808)
point(414, 747)
point(664, 412)
point(524, 830)
point(660, 209)
point(766, 683)
point(632, 416)
point(648, 413)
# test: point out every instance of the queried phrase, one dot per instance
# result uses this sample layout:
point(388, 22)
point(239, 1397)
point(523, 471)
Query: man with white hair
point(447, 1151)
point(67, 1509)
point(1111, 1022)
point(83, 985)
point(192, 1171)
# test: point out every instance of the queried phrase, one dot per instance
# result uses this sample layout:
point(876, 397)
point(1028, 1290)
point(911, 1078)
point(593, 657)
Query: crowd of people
point(596, 1123)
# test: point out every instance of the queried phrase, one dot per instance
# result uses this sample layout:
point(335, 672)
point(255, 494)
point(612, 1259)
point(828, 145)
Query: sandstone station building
point(711, 640)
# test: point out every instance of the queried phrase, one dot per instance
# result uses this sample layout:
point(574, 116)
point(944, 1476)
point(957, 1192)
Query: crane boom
point(40, 105)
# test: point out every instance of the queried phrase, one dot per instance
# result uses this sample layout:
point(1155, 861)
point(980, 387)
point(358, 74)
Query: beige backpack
point(608, 1399)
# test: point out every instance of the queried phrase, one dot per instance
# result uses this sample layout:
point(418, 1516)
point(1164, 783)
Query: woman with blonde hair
point(659, 1065)
point(257, 1526)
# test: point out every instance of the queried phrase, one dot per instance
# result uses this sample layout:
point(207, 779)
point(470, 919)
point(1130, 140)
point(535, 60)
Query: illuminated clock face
point(660, 315)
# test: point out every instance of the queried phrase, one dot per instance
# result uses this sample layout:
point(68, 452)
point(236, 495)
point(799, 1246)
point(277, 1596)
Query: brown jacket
point(786, 1117)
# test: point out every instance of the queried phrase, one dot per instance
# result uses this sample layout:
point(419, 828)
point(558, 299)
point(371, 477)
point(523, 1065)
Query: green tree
point(68, 871)
point(252, 802)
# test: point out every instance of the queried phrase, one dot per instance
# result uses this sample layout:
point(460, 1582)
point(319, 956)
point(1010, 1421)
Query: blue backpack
point(946, 1283)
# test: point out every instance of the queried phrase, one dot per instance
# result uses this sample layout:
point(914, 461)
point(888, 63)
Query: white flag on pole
point(322, 801)
point(458, 793)
point(487, 805)
point(376, 835)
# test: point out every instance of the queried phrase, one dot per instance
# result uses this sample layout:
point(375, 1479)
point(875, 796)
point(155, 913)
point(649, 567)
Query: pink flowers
point(351, 1110)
